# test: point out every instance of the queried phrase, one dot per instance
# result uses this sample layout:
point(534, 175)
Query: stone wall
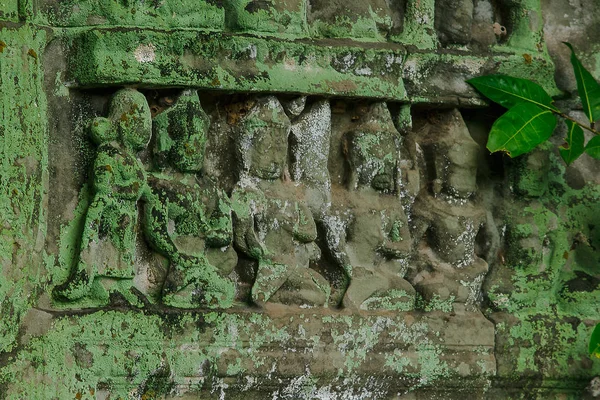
point(289, 200)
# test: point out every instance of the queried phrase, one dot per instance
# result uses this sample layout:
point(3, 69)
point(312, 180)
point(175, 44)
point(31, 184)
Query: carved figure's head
point(102, 131)
point(372, 151)
point(372, 158)
point(454, 153)
point(530, 172)
point(181, 134)
point(130, 113)
point(263, 139)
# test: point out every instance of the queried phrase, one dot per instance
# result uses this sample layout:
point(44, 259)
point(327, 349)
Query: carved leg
point(363, 284)
point(82, 275)
point(303, 286)
point(192, 282)
point(269, 278)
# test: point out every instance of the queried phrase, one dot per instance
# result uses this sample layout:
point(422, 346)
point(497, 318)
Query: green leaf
point(593, 147)
point(588, 88)
point(594, 348)
point(521, 129)
point(575, 143)
point(508, 91)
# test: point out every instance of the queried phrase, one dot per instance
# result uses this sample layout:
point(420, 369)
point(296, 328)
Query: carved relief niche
point(200, 200)
point(314, 216)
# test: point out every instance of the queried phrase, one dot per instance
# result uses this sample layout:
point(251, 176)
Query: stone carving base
point(280, 353)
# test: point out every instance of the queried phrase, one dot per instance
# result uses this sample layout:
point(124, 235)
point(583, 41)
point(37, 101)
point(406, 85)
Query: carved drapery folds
point(293, 200)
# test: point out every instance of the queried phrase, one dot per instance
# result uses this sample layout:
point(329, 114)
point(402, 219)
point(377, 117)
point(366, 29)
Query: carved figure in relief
point(529, 180)
point(528, 242)
point(190, 223)
point(309, 149)
point(367, 229)
point(272, 224)
point(447, 220)
point(119, 181)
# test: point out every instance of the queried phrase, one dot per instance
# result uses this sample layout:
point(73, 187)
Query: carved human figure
point(272, 224)
point(366, 228)
point(191, 223)
point(529, 181)
point(309, 149)
point(528, 242)
point(446, 218)
point(119, 181)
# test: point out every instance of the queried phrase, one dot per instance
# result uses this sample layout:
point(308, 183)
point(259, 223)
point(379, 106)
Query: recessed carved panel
point(301, 201)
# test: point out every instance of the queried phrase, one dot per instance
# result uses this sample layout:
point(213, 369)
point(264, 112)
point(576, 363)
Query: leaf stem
point(565, 116)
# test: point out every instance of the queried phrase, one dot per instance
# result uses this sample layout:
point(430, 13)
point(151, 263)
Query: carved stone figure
point(527, 241)
point(447, 220)
point(119, 181)
point(272, 224)
point(367, 229)
point(309, 148)
point(191, 222)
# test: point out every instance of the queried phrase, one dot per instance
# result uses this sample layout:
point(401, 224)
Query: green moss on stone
point(9, 10)
point(23, 177)
point(249, 64)
point(284, 18)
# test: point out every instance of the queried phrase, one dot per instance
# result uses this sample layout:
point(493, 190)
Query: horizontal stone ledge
point(309, 387)
point(234, 63)
point(237, 63)
point(250, 351)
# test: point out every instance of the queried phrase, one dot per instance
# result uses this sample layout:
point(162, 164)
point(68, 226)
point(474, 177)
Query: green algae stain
point(23, 176)
point(250, 64)
point(132, 354)
point(166, 14)
point(9, 11)
point(106, 349)
point(552, 305)
point(418, 29)
point(283, 18)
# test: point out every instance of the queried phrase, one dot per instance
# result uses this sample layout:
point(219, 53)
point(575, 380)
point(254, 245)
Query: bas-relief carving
point(274, 226)
point(367, 229)
point(191, 222)
point(287, 214)
point(107, 247)
point(447, 216)
point(185, 217)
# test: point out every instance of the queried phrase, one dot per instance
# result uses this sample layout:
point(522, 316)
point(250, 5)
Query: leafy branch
point(531, 116)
